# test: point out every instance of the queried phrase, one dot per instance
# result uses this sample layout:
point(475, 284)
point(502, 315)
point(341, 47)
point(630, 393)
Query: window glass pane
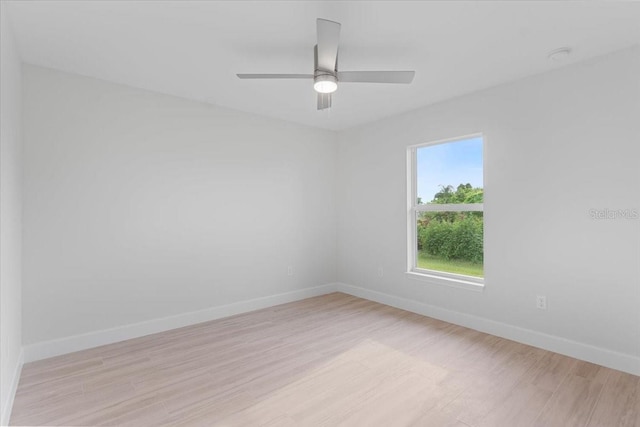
point(451, 242)
point(450, 172)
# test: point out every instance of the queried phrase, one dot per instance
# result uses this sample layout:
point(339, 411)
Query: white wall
point(139, 206)
point(557, 145)
point(10, 216)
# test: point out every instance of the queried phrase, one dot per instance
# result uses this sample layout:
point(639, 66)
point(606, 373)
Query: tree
point(444, 196)
point(464, 193)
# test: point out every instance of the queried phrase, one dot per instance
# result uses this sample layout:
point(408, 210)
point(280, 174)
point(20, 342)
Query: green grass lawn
point(432, 262)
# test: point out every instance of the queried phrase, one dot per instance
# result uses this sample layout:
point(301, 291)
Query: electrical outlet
point(290, 271)
point(541, 302)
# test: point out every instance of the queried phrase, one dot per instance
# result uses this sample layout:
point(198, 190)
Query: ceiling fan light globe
point(325, 84)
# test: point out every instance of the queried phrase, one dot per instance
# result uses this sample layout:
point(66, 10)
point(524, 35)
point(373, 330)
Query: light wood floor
point(333, 360)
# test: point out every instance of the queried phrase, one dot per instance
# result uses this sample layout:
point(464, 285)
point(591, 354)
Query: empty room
point(320, 213)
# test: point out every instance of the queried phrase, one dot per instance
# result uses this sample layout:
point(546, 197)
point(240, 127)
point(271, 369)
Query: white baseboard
point(8, 404)
point(70, 344)
point(611, 359)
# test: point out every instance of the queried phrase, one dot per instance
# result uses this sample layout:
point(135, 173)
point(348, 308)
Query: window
point(446, 218)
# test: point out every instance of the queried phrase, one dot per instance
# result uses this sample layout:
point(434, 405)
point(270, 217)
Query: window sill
point(446, 281)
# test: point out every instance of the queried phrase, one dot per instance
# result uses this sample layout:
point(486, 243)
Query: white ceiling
point(194, 49)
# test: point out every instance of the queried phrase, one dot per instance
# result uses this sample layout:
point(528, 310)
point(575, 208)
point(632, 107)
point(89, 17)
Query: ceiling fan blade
point(328, 38)
point(324, 101)
point(275, 76)
point(376, 76)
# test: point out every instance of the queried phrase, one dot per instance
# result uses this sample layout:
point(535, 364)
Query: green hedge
point(452, 237)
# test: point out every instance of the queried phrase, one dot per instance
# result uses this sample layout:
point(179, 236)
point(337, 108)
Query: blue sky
point(450, 163)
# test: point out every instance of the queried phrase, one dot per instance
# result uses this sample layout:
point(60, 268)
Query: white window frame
point(413, 210)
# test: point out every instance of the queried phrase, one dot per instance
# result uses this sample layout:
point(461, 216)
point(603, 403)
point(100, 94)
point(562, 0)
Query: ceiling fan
point(326, 75)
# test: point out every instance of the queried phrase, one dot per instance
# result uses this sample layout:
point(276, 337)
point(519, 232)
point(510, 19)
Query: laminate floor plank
point(619, 403)
point(332, 360)
point(567, 408)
